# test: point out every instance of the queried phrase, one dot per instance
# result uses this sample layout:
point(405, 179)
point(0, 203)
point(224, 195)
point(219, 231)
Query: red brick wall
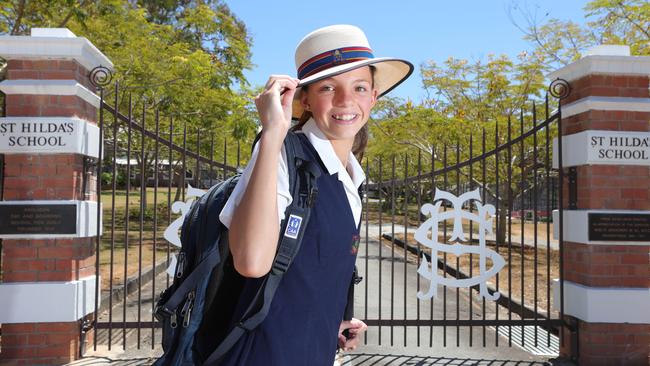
point(49, 105)
point(41, 176)
point(28, 105)
point(48, 259)
point(607, 121)
point(23, 344)
point(48, 70)
point(607, 265)
point(614, 344)
point(619, 187)
point(46, 177)
point(609, 86)
point(609, 187)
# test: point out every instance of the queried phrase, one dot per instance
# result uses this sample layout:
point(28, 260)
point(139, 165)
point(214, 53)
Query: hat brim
point(389, 73)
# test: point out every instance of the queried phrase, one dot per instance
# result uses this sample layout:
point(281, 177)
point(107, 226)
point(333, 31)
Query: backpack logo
point(293, 226)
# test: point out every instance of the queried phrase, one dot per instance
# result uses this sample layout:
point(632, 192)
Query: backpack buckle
point(311, 199)
point(281, 263)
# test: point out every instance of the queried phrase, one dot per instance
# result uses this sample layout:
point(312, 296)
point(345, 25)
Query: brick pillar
point(606, 125)
point(48, 280)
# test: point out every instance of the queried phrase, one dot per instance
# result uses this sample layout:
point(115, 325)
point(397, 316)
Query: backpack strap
point(302, 185)
point(202, 270)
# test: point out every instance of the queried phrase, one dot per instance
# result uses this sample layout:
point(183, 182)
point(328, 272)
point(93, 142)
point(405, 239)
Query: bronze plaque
point(619, 227)
point(38, 219)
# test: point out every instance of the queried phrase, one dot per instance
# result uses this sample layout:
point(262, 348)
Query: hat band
point(331, 58)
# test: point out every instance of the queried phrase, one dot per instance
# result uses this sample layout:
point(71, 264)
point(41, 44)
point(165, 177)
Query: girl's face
point(341, 104)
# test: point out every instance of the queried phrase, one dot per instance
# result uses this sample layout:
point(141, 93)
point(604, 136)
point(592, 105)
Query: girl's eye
point(326, 88)
point(361, 88)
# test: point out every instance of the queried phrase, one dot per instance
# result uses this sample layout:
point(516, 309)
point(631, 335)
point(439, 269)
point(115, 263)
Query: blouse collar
point(326, 153)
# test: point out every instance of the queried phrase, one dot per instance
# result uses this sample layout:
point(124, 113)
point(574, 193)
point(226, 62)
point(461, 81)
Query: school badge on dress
point(355, 244)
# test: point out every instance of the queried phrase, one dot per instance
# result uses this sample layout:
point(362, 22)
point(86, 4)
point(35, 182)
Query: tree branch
point(19, 18)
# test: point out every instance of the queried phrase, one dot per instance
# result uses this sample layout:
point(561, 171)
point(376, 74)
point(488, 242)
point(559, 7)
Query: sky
point(415, 30)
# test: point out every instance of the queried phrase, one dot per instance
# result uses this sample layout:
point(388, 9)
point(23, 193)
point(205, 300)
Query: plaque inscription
point(623, 227)
point(38, 219)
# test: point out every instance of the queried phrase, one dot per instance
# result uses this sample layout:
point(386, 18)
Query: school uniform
point(303, 321)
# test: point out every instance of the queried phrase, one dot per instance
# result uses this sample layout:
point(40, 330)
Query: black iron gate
point(143, 183)
point(514, 173)
point(153, 167)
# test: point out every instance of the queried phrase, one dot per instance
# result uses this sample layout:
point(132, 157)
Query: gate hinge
point(85, 325)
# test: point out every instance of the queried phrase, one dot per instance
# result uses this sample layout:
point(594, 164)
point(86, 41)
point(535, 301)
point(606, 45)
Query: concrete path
point(388, 292)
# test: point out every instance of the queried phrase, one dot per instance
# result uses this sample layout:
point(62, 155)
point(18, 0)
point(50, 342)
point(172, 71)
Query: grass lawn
point(134, 198)
point(128, 260)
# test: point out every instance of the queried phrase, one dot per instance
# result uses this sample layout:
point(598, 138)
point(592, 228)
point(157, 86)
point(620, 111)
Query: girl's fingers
point(275, 101)
point(281, 82)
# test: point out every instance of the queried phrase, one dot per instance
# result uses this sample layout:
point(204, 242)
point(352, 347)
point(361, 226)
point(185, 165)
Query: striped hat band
point(332, 58)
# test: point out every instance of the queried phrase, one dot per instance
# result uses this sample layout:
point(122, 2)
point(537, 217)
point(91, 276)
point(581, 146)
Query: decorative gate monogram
point(171, 233)
point(484, 219)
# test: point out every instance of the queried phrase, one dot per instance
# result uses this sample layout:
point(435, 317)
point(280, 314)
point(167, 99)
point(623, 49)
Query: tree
point(561, 42)
point(622, 22)
point(464, 97)
point(184, 59)
point(467, 100)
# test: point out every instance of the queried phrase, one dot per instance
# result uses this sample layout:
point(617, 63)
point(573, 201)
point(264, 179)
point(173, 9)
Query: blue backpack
point(197, 310)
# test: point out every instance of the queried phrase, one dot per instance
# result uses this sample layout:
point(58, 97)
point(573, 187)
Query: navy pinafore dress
point(302, 326)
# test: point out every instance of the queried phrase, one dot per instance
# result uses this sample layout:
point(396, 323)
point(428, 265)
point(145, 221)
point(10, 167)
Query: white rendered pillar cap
point(53, 44)
point(608, 50)
point(52, 32)
point(604, 60)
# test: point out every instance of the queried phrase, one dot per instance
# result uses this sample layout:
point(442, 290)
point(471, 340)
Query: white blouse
point(352, 177)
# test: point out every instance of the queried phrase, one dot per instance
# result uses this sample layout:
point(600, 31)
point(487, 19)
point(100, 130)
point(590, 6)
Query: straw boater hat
point(336, 49)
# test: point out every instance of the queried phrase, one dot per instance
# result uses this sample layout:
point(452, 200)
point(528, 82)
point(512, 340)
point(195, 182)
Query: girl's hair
point(361, 138)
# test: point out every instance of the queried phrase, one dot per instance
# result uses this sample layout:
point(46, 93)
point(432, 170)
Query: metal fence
point(148, 176)
point(516, 176)
point(149, 161)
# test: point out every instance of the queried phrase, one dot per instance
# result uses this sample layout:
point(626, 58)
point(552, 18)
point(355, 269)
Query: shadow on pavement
point(360, 359)
point(96, 360)
point(365, 359)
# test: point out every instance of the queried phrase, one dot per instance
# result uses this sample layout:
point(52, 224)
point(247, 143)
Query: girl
point(338, 83)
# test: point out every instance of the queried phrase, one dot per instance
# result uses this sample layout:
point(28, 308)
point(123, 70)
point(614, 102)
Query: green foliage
point(184, 59)
point(472, 98)
point(560, 42)
point(466, 100)
point(622, 22)
point(161, 214)
point(107, 179)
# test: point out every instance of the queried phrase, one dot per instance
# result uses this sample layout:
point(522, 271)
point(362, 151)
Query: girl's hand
point(274, 104)
point(355, 329)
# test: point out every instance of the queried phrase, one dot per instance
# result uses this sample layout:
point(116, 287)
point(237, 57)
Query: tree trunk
point(178, 181)
point(503, 224)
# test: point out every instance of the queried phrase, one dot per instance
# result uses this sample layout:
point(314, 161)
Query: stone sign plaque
point(19, 135)
point(41, 219)
point(619, 227)
point(604, 147)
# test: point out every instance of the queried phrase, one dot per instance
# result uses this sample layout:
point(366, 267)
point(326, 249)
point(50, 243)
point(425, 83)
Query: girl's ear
point(374, 97)
point(303, 100)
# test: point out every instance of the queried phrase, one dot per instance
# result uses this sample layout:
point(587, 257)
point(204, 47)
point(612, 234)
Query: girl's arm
point(255, 227)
